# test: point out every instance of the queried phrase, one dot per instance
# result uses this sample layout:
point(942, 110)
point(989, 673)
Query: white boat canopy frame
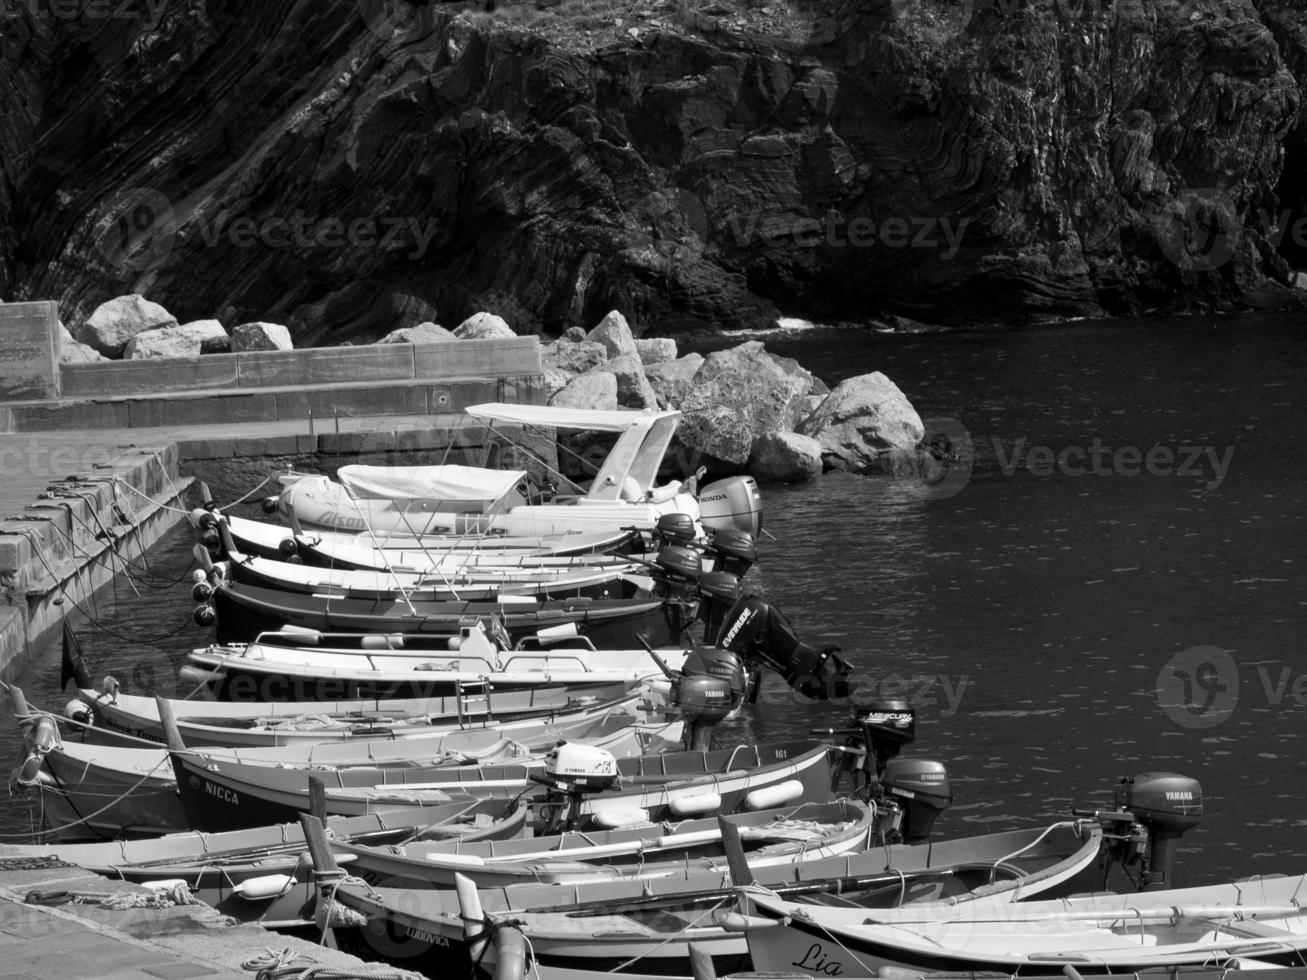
point(643, 441)
point(447, 481)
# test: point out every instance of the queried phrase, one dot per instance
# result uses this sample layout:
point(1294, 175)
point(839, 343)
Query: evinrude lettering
point(735, 627)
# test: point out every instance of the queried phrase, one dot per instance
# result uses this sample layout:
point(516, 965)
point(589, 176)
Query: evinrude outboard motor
point(732, 503)
point(1165, 804)
point(571, 771)
point(756, 630)
point(922, 790)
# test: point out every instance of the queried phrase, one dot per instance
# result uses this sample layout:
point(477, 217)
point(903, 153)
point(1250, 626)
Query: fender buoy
point(701, 802)
point(79, 711)
point(767, 797)
point(263, 887)
point(613, 817)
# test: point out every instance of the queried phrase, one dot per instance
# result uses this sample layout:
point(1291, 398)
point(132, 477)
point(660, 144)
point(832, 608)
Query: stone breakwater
point(314, 166)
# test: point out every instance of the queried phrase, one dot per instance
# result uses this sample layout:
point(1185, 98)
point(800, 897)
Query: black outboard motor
point(734, 551)
point(922, 790)
point(755, 629)
point(1166, 805)
point(675, 528)
point(718, 594)
point(887, 726)
point(712, 685)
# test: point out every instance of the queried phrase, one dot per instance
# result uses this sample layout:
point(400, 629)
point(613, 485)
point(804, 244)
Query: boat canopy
point(636, 456)
point(448, 482)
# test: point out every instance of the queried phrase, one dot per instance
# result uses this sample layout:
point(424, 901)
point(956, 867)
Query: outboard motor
point(732, 503)
point(1165, 804)
point(571, 771)
point(735, 551)
point(675, 528)
point(922, 790)
point(755, 629)
point(718, 594)
point(886, 726)
point(712, 684)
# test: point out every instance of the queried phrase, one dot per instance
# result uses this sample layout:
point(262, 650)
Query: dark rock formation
point(314, 164)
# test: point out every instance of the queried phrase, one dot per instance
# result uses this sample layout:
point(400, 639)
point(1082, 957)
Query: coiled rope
point(274, 965)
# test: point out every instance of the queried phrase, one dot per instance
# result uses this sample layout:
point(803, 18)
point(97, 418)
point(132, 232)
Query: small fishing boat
point(455, 499)
point(462, 581)
point(295, 666)
point(109, 715)
point(244, 611)
point(404, 552)
point(264, 874)
point(807, 832)
point(222, 794)
point(99, 791)
point(1260, 918)
point(647, 925)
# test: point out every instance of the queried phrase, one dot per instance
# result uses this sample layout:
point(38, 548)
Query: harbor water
point(1111, 581)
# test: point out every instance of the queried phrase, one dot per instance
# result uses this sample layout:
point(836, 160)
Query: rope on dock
point(153, 898)
point(273, 965)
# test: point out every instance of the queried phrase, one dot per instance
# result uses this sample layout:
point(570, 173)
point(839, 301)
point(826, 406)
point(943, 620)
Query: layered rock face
point(345, 173)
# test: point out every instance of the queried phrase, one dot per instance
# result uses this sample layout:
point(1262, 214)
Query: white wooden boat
point(263, 874)
point(647, 925)
point(1258, 918)
point(451, 499)
point(310, 666)
point(770, 837)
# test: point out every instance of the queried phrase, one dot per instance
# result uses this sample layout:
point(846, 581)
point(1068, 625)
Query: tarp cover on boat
point(447, 482)
point(606, 420)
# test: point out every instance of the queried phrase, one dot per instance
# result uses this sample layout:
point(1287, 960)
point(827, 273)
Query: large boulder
point(114, 323)
point(187, 340)
point(865, 425)
point(260, 336)
point(671, 380)
point(424, 333)
point(484, 326)
point(574, 334)
point(73, 351)
point(615, 334)
point(594, 389)
point(633, 388)
point(656, 350)
point(576, 358)
point(736, 396)
point(785, 457)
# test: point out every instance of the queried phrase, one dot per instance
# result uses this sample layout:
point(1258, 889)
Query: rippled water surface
point(1030, 615)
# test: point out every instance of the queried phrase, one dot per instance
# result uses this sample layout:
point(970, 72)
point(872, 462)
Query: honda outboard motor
point(1166, 805)
point(718, 594)
point(732, 503)
point(755, 629)
point(922, 790)
point(735, 551)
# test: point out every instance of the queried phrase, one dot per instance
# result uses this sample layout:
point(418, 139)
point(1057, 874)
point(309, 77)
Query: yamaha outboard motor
point(718, 594)
point(755, 629)
point(922, 790)
point(674, 528)
point(712, 685)
point(571, 771)
point(732, 503)
point(733, 551)
point(1166, 805)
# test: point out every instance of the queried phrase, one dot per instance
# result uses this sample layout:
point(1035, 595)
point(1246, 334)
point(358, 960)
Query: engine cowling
point(735, 550)
point(756, 629)
point(732, 503)
point(1166, 804)
point(581, 767)
point(922, 789)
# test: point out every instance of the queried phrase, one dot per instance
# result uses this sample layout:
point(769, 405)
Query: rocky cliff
point(351, 168)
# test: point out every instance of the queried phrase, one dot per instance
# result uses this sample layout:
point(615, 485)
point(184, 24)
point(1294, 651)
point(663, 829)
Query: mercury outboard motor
point(1165, 804)
point(756, 630)
point(732, 503)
